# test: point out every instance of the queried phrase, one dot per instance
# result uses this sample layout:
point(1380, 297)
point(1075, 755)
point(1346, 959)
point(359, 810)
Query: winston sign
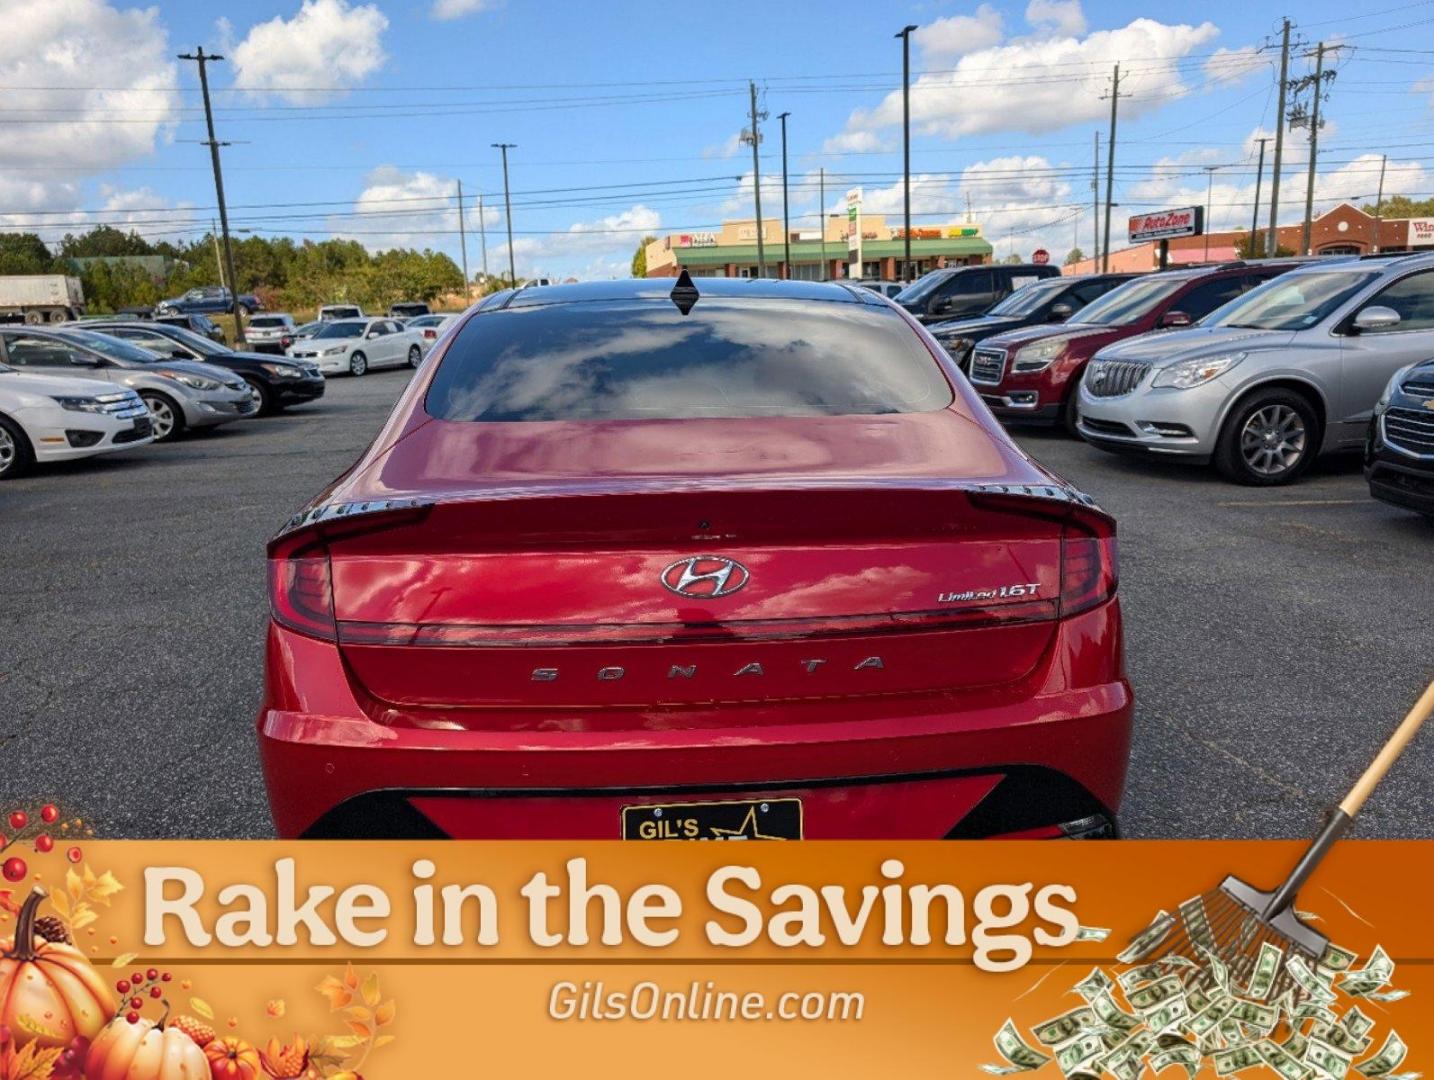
point(1164, 224)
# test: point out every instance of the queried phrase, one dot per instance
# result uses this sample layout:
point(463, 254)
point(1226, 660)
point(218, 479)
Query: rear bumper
point(917, 768)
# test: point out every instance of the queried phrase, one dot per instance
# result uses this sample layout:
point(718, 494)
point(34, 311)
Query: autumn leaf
point(30, 1063)
point(363, 1031)
point(383, 1040)
point(276, 1008)
point(371, 993)
point(103, 888)
point(7, 902)
point(384, 1014)
point(336, 992)
point(84, 915)
point(351, 979)
point(61, 903)
point(359, 1013)
point(123, 960)
point(202, 1007)
point(74, 885)
point(340, 1042)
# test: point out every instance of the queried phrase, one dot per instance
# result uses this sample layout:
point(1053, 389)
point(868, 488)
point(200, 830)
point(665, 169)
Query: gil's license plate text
point(751, 819)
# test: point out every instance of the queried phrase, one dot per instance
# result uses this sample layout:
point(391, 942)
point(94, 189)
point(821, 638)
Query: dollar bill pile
point(1193, 1011)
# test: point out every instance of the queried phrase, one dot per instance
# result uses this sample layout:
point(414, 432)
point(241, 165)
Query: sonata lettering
point(689, 671)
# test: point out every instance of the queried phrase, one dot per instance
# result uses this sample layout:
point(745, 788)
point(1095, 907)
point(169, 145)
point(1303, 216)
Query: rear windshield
point(268, 320)
point(645, 360)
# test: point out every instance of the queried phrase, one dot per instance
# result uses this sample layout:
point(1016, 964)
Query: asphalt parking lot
point(1274, 636)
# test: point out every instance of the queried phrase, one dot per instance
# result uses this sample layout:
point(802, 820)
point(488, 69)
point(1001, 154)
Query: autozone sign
point(1163, 224)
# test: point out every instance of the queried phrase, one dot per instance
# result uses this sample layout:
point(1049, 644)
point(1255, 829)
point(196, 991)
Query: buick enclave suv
point(747, 559)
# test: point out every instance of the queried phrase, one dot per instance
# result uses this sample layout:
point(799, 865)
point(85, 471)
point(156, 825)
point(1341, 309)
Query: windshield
point(1291, 302)
point(643, 360)
point(919, 290)
point(1129, 303)
point(113, 348)
point(1024, 301)
point(341, 330)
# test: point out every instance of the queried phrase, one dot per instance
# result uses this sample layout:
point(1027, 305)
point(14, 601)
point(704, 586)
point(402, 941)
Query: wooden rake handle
point(1392, 749)
point(1343, 818)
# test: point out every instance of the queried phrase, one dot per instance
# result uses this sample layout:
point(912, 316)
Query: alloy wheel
point(9, 452)
point(163, 417)
point(1273, 440)
point(358, 364)
point(415, 355)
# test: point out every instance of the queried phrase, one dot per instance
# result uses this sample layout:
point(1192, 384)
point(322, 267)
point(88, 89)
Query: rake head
point(1231, 925)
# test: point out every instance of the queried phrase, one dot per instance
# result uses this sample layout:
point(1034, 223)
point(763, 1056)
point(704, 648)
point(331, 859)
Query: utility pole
point(1272, 239)
point(218, 261)
point(1095, 205)
point(463, 246)
point(905, 36)
point(1255, 219)
point(483, 238)
point(1110, 165)
point(1298, 118)
point(508, 210)
point(1209, 190)
point(822, 199)
point(1379, 203)
point(203, 58)
point(753, 135)
point(786, 221)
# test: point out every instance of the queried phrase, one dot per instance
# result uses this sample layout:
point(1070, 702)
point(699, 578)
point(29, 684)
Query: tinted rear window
point(644, 360)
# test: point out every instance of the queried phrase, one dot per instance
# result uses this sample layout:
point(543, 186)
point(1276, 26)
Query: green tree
point(1401, 206)
point(1013, 259)
point(1074, 255)
point(639, 257)
point(23, 253)
point(104, 240)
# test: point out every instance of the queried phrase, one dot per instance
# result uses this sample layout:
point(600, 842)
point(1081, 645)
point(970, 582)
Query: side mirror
point(1376, 317)
point(84, 360)
point(1175, 318)
point(371, 334)
point(1061, 312)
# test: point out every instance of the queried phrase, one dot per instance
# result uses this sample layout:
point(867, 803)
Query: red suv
point(745, 562)
point(1030, 375)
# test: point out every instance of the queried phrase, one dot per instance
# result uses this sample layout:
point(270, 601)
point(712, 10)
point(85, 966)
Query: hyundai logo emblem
point(704, 577)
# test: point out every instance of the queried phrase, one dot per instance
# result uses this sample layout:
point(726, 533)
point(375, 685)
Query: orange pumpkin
point(49, 994)
point(144, 1051)
point(231, 1058)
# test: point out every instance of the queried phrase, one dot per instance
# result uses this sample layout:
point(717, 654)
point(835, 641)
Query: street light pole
point(905, 36)
point(463, 246)
point(786, 221)
point(508, 210)
point(1255, 221)
point(1209, 190)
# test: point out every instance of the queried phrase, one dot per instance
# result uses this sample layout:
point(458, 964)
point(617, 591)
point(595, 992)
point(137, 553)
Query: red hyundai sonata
point(734, 560)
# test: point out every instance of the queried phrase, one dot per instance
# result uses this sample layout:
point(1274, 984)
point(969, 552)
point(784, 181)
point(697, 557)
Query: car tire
point(358, 364)
point(415, 356)
point(1269, 438)
point(1070, 415)
point(266, 397)
point(34, 318)
point(168, 417)
point(16, 457)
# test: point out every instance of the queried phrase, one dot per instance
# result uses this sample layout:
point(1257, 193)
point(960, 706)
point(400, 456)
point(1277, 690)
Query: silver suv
point(1276, 377)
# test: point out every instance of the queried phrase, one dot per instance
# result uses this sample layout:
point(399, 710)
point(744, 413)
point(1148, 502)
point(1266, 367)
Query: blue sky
point(357, 119)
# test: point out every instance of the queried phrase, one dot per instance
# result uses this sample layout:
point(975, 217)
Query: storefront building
point(1343, 230)
point(732, 250)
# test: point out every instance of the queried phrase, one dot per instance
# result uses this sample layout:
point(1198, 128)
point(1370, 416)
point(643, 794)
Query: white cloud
point(1228, 66)
point(327, 47)
point(456, 9)
point(417, 210)
point(1062, 17)
point(727, 148)
point(1040, 84)
point(587, 249)
point(956, 35)
point(858, 142)
point(741, 204)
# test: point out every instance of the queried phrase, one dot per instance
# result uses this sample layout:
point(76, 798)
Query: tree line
point(285, 274)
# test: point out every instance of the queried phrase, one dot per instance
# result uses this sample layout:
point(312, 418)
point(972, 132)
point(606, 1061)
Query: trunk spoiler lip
point(1058, 494)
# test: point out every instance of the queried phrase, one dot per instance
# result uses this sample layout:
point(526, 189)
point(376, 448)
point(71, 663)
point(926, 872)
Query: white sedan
point(46, 418)
point(358, 346)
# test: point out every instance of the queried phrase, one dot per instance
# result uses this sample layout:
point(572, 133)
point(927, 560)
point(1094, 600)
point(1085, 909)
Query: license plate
point(746, 819)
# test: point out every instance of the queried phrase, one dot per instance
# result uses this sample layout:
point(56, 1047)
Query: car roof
point(1383, 264)
point(662, 288)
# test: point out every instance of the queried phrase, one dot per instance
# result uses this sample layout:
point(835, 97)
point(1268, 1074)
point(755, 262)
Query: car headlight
point(194, 382)
point(1190, 373)
point(335, 351)
point(1038, 356)
point(79, 404)
point(956, 346)
point(282, 371)
point(1390, 389)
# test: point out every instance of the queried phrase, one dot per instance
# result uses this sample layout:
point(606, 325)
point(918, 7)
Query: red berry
point(165, 977)
point(4, 841)
point(136, 1003)
point(44, 844)
point(74, 854)
point(49, 813)
point(14, 869)
point(155, 991)
point(137, 978)
point(132, 1017)
point(122, 986)
point(19, 819)
point(152, 974)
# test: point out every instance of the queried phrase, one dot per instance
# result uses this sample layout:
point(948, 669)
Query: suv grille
point(988, 366)
point(1111, 378)
point(1411, 430)
point(1419, 388)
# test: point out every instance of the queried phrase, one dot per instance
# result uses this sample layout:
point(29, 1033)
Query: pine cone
point(52, 929)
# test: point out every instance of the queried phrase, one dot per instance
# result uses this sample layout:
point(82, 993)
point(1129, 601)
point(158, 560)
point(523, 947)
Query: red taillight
point(1089, 571)
point(430, 334)
point(286, 341)
point(301, 591)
